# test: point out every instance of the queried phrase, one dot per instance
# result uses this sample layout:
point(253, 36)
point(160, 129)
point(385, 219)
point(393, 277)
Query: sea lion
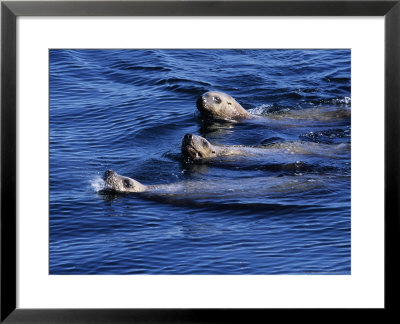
point(115, 183)
point(220, 106)
point(195, 147)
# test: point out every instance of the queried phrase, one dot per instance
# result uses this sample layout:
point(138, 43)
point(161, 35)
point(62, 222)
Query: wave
point(327, 136)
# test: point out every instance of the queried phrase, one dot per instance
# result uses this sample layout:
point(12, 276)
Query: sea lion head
point(220, 105)
point(196, 147)
point(117, 183)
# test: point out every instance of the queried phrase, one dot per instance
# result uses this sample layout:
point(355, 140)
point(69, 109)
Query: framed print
point(245, 163)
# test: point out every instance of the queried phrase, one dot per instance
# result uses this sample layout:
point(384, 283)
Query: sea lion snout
point(108, 174)
point(200, 102)
point(189, 149)
point(187, 138)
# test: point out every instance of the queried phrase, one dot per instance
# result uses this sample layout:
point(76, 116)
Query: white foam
point(264, 109)
point(343, 101)
point(97, 183)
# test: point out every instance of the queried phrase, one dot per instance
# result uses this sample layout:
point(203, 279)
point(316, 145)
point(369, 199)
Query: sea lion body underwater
point(195, 147)
point(219, 105)
point(118, 184)
point(115, 183)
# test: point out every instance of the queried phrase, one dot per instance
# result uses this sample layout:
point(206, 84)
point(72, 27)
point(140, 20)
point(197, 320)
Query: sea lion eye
point(217, 99)
point(204, 143)
point(127, 183)
point(229, 103)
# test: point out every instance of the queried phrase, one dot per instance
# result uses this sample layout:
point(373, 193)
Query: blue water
point(128, 110)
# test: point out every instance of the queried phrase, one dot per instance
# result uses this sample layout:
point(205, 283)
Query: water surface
point(128, 110)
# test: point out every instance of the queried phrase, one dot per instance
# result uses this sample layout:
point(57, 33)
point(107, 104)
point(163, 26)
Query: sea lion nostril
point(187, 139)
point(108, 173)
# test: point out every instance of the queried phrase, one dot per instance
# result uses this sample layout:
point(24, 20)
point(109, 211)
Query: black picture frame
point(10, 10)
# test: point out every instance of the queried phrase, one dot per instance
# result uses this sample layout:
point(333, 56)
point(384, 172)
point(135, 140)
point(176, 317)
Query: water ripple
point(128, 110)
